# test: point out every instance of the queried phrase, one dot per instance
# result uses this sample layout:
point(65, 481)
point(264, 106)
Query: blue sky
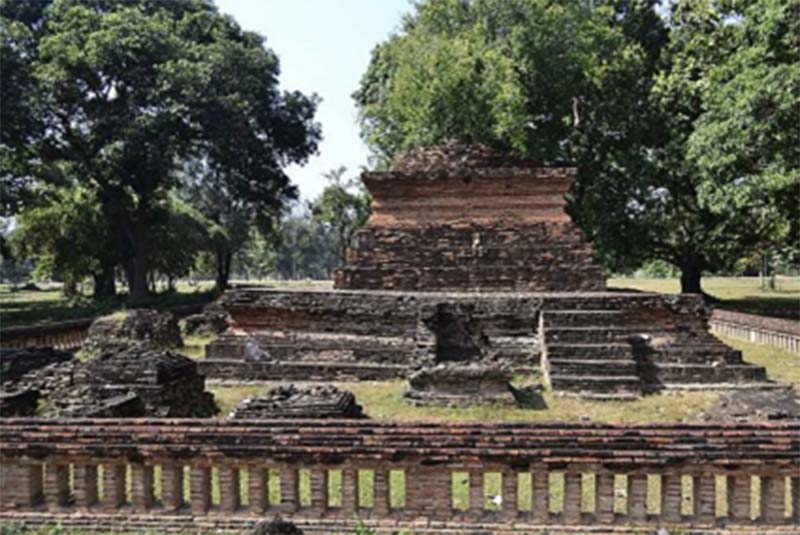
point(324, 47)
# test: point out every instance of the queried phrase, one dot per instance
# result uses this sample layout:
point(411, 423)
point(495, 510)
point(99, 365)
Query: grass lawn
point(743, 294)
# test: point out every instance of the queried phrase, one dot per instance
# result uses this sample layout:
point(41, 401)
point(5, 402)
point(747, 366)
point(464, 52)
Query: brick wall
point(503, 478)
point(66, 334)
point(464, 228)
point(781, 333)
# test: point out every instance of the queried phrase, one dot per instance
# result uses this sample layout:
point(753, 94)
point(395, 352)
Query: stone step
point(325, 341)
point(581, 318)
point(589, 351)
point(585, 335)
point(596, 384)
point(704, 373)
point(697, 354)
point(603, 396)
point(605, 367)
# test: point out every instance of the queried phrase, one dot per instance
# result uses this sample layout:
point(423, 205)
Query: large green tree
point(746, 141)
point(608, 86)
point(67, 237)
point(124, 92)
point(342, 208)
point(230, 220)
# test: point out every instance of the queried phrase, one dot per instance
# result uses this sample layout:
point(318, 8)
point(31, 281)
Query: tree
point(712, 208)
point(515, 74)
point(606, 86)
point(746, 142)
point(227, 217)
point(343, 208)
point(256, 260)
point(126, 92)
point(67, 237)
point(178, 232)
point(306, 249)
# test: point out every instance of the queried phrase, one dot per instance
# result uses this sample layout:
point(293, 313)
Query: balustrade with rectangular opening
point(331, 474)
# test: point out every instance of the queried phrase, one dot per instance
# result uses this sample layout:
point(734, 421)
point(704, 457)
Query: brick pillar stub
point(290, 489)
point(541, 494)
point(573, 497)
point(604, 491)
point(510, 503)
point(637, 497)
point(56, 485)
point(350, 491)
point(258, 481)
point(143, 497)
point(476, 495)
point(704, 496)
point(381, 492)
point(229, 491)
point(319, 490)
point(773, 505)
point(739, 497)
point(172, 486)
point(200, 484)
point(85, 482)
point(113, 486)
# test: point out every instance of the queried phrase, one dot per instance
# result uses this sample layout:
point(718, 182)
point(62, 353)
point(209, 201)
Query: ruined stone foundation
point(469, 259)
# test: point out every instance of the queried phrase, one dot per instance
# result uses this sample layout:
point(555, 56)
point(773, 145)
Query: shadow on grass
point(17, 310)
point(773, 306)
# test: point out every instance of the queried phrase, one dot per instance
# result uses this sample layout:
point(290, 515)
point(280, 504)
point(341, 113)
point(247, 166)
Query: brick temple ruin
point(469, 264)
point(462, 238)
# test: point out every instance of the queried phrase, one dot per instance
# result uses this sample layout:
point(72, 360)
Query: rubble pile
point(291, 401)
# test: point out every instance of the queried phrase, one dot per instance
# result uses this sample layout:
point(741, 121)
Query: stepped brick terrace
point(480, 242)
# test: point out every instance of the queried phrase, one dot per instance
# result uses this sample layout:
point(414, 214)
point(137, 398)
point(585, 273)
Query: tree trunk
point(224, 258)
point(691, 273)
point(104, 283)
point(140, 290)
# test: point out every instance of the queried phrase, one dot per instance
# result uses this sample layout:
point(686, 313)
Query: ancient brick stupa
point(469, 260)
point(465, 218)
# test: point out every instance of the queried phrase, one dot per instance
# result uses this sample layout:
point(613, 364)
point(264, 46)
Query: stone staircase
point(592, 353)
point(586, 353)
point(703, 364)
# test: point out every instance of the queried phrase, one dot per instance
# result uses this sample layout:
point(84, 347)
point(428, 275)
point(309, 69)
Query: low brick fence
point(66, 334)
point(61, 335)
point(780, 333)
point(426, 478)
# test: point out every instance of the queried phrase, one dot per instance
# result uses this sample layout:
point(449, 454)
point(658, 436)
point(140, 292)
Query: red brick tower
point(466, 218)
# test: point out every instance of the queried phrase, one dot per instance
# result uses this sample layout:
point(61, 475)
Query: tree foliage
point(746, 142)
point(67, 238)
point(342, 208)
point(124, 92)
point(633, 100)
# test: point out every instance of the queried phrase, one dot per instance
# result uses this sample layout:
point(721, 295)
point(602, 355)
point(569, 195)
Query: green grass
point(743, 294)
point(228, 397)
point(384, 401)
point(194, 346)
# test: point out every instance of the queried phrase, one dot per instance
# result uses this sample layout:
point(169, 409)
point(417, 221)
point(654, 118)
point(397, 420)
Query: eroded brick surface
point(333, 456)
